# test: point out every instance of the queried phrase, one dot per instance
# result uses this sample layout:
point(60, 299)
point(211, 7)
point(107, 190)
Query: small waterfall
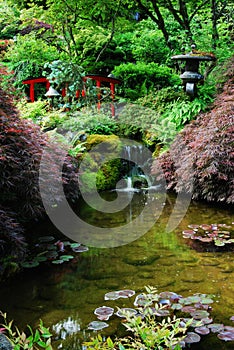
point(135, 164)
point(129, 182)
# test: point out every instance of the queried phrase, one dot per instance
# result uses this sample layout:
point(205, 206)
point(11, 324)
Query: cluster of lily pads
point(54, 251)
point(193, 310)
point(217, 234)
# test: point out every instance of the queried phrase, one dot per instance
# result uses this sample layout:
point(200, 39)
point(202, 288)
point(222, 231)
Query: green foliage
point(35, 340)
point(9, 20)
point(138, 79)
point(61, 73)
point(41, 114)
point(90, 121)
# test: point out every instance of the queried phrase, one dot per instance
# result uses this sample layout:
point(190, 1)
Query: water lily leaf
point(206, 227)
point(176, 306)
point(219, 243)
point(122, 312)
point(202, 330)
point(206, 300)
point(126, 293)
point(188, 309)
point(190, 300)
point(97, 325)
point(29, 264)
point(162, 313)
point(207, 320)
point(111, 296)
point(142, 300)
point(226, 336)
point(104, 312)
point(192, 337)
point(200, 314)
point(57, 262)
point(74, 245)
point(66, 257)
point(80, 249)
point(216, 327)
point(170, 295)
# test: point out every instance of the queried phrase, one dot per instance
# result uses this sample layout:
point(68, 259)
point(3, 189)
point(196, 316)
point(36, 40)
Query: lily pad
point(125, 293)
point(66, 257)
point(97, 325)
point(122, 312)
point(162, 313)
point(104, 312)
point(142, 300)
point(111, 296)
point(176, 306)
point(80, 249)
point(226, 336)
point(219, 242)
point(74, 245)
point(202, 330)
point(192, 337)
point(29, 264)
point(58, 262)
point(199, 314)
point(216, 327)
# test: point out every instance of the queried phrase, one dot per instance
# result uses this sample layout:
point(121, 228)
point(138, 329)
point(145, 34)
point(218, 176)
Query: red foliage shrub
point(201, 159)
point(21, 147)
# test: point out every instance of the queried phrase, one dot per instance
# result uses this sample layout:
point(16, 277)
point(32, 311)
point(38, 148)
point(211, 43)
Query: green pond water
point(65, 296)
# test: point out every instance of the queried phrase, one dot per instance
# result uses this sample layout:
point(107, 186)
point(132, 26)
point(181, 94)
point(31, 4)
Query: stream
point(65, 296)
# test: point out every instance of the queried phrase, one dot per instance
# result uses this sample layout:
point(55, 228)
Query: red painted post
point(31, 92)
point(98, 84)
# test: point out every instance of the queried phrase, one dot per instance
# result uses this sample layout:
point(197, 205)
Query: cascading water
point(136, 167)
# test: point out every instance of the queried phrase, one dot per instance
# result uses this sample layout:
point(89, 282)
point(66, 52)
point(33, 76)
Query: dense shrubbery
point(138, 79)
point(200, 160)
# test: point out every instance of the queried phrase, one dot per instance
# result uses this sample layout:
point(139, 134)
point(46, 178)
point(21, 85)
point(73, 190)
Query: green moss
point(100, 167)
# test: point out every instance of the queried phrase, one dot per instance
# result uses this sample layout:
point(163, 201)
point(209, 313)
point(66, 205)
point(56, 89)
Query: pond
point(65, 296)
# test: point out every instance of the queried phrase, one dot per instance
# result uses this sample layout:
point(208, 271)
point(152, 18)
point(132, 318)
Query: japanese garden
point(116, 175)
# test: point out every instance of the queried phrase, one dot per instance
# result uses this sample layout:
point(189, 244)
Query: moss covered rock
point(100, 166)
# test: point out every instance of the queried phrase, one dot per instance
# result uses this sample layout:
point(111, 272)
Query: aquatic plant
point(219, 235)
point(160, 321)
point(48, 249)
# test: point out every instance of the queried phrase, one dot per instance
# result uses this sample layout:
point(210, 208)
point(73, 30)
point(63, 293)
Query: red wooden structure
point(98, 78)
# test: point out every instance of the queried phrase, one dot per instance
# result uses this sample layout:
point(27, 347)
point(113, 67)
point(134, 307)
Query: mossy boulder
point(100, 165)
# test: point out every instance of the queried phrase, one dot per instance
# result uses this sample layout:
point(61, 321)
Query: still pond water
point(65, 296)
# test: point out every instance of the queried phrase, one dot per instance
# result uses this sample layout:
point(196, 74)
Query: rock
point(5, 343)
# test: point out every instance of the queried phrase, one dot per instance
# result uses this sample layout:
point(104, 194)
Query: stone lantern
point(191, 76)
